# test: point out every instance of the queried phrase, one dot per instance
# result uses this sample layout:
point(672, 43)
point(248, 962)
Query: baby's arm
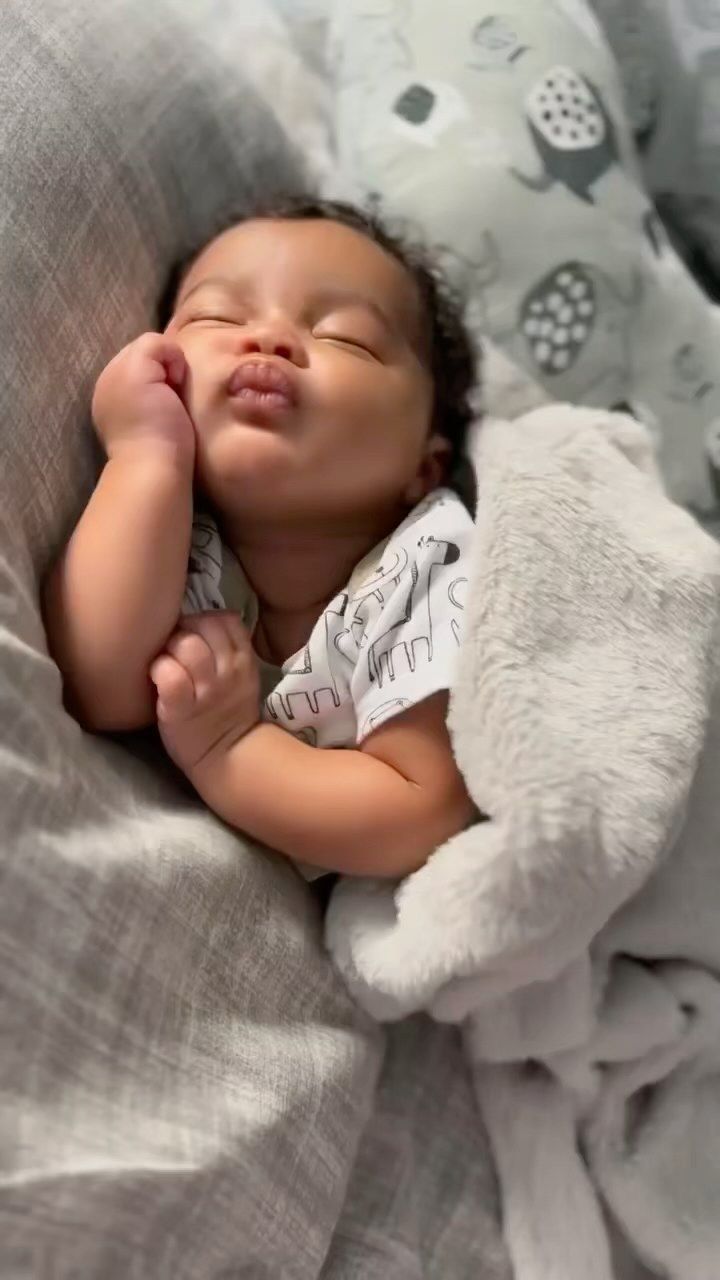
point(379, 810)
point(114, 596)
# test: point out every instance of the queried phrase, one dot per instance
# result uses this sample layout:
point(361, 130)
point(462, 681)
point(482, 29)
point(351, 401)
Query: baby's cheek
point(201, 392)
point(205, 364)
point(410, 399)
point(393, 414)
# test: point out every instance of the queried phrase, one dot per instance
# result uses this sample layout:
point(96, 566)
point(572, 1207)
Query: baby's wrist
point(167, 458)
point(223, 746)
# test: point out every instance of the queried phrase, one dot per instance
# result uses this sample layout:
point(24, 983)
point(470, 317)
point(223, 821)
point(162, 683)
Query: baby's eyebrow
point(216, 282)
point(338, 297)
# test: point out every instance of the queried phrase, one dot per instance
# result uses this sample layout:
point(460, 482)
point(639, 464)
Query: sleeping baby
point(273, 563)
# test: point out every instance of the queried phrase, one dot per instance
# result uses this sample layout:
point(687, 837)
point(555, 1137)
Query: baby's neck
point(296, 572)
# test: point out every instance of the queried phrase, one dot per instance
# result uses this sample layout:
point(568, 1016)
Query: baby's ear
point(432, 471)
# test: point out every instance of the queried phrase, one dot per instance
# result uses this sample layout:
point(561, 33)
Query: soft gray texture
point(184, 1082)
point(578, 927)
point(421, 1206)
point(668, 56)
point(544, 224)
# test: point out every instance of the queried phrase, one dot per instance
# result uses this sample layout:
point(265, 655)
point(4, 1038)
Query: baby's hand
point(138, 399)
point(208, 687)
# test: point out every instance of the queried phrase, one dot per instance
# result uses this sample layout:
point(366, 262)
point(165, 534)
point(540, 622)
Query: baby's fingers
point(223, 633)
point(175, 689)
point(175, 366)
point(195, 656)
point(158, 358)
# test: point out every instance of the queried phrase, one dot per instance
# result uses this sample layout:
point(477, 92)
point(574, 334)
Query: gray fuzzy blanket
point(576, 933)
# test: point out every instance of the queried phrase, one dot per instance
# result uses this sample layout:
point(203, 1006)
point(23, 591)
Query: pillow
point(308, 22)
point(668, 52)
point(184, 1079)
point(498, 133)
point(113, 178)
point(298, 94)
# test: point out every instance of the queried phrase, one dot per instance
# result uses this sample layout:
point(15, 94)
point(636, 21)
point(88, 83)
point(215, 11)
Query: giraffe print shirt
point(387, 641)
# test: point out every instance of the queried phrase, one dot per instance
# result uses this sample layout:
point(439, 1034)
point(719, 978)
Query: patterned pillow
point(308, 22)
point(498, 133)
point(300, 97)
point(668, 52)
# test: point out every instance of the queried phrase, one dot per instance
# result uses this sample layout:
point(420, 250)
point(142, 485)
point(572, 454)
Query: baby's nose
point(273, 340)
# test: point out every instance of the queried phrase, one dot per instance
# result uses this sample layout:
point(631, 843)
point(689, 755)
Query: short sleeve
point(410, 614)
point(202, 583)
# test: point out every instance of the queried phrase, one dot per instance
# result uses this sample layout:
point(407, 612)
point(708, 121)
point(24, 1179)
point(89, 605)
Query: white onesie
point(385, 642)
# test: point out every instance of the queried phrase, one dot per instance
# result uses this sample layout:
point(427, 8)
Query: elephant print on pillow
point(573, 133)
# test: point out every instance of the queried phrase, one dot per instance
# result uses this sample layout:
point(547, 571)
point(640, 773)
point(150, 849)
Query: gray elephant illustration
point(558, 316)
point(497, 46)
point(569, 312)
point(367, 595)
point(383, 652)
point(573, 132)
point(691, 381)
point(576, 320)
point(307, 699)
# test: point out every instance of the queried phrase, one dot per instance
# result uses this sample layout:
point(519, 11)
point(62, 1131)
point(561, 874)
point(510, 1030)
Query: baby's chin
point(246, 460)
point(245, 446)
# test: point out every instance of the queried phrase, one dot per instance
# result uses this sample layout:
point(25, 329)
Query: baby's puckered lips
point(261, 383)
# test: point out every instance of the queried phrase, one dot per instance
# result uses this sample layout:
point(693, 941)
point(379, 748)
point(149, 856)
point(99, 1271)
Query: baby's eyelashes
point(351, 333)
point(213, 319)
point(353, 345)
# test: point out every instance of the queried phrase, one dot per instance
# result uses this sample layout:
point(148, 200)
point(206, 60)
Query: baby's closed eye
point(353, 331)
point(354, 345)
point(215, 318)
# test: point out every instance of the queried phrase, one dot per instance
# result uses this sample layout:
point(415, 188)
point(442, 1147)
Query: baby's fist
point(208, 687)
point(138, 402)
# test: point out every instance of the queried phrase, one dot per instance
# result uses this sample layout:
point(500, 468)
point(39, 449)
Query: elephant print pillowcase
point(497, 134)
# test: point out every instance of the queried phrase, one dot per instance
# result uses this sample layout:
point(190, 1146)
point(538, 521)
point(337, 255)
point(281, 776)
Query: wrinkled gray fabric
point(184, 1083)
point(423, 1201)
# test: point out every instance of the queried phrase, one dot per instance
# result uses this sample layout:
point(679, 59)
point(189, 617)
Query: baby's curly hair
point(452, 357)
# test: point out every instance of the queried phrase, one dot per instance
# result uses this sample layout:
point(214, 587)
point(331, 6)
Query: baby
point(311, 385)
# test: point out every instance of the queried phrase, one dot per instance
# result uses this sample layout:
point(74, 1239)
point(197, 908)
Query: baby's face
point(308, 382)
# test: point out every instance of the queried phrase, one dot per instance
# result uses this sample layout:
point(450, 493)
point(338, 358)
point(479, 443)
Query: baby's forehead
point(307, 255)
